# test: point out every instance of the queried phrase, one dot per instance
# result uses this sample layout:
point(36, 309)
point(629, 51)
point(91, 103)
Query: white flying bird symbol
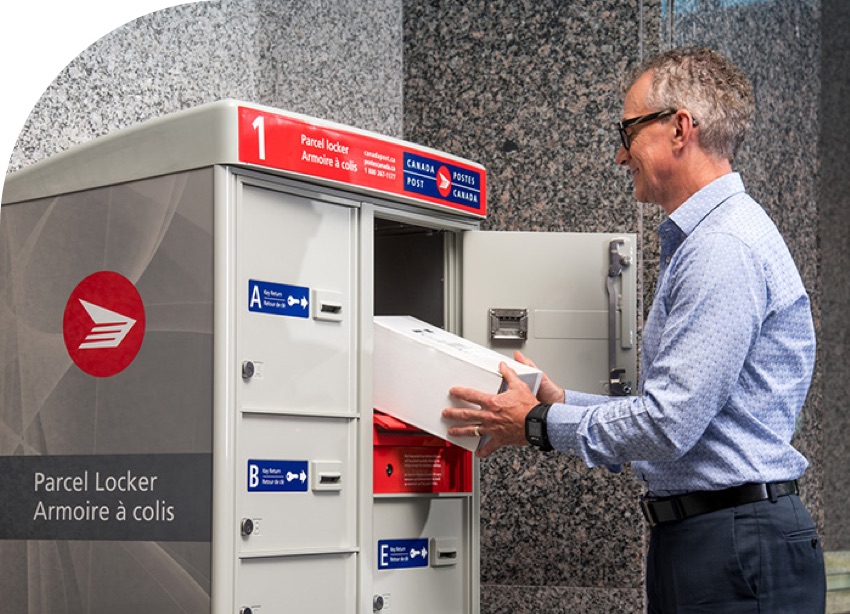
point(109, 330)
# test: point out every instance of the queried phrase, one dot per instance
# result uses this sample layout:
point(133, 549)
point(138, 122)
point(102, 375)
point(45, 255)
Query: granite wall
point(529, 88)
point(834, 237)
point(339, 60)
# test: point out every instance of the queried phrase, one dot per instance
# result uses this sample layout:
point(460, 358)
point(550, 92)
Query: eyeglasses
point(634, 121)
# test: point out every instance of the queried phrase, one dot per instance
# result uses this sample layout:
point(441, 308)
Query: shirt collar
point(691, 212)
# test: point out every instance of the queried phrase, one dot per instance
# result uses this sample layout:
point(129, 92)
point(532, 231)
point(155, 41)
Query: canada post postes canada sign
point(360, 159)
point(436, 179)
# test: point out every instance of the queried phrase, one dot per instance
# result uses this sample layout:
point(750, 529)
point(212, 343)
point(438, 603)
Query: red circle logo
point(104, 324)
point(444, 181)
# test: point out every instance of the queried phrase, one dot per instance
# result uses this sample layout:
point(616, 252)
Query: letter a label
point(255, 303)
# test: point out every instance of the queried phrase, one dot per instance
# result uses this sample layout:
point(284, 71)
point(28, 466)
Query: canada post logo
point(438, 179)
point(104, 324)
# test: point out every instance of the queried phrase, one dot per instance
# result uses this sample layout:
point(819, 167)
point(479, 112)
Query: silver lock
point(247, 527)
point(245, 610)
point(377, 603)
point(248, 369)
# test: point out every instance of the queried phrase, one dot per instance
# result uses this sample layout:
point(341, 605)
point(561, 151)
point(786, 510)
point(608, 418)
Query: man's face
point(648, 156)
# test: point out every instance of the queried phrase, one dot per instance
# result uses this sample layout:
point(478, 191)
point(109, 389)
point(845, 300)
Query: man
point(728, 353)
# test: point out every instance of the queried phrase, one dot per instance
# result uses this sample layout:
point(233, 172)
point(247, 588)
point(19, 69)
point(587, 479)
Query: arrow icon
point(415, 553)
point(294, 300)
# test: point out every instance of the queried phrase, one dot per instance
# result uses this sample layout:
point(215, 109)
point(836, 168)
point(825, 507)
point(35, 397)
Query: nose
point(622, 158)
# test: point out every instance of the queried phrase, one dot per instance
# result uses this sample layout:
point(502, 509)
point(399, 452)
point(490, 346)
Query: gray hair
point(707, 84)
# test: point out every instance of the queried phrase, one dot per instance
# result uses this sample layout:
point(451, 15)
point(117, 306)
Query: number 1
point(260, 126)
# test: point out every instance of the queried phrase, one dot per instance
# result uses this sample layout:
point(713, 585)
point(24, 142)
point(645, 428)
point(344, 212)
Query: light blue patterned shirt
point(728, 353)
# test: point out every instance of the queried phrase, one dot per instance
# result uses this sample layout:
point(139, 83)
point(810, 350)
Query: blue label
point(278, 299)
point(402, 553)
point(277, 475)
point(441, 180)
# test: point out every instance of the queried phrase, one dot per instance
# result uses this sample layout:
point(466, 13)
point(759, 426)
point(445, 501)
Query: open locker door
point(565, 300)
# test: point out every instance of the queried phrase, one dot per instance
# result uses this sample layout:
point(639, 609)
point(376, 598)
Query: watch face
point(535, 429)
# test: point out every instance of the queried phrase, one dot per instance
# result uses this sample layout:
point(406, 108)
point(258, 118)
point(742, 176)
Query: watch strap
point(537, 418)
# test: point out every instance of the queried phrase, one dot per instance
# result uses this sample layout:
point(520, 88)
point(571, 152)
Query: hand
point(501, 418)
point(548, 392)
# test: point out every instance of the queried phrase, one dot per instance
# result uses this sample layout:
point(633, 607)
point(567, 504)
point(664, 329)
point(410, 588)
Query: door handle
point(617, 263)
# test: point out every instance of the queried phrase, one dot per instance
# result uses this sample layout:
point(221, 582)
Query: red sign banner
point(290, 144)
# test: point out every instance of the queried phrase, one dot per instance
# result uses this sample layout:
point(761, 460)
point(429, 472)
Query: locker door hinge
point(617, 262)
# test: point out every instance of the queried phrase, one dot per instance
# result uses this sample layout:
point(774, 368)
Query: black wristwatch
point(535, 427)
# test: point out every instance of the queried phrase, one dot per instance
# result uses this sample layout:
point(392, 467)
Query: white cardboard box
point(415, 364)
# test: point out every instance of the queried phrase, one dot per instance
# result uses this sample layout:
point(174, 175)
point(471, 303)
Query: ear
point(686, 127)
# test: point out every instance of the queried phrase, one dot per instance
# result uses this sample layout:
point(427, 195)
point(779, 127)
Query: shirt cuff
point(563, 422)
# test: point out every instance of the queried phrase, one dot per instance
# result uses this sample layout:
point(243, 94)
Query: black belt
point(679, 507)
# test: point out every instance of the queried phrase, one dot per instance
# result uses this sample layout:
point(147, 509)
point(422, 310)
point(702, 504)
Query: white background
point(38, 38)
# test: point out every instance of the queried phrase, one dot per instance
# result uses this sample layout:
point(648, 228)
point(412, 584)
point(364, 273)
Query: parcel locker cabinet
point(186, 334)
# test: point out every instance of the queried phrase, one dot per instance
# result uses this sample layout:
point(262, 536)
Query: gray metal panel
point(560, 278)
point(152, 418)
point(195, 138)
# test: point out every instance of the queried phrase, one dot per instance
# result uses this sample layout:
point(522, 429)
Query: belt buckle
point(646, 508)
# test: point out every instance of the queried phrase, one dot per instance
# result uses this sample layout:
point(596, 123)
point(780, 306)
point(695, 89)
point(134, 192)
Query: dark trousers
point(762, 557)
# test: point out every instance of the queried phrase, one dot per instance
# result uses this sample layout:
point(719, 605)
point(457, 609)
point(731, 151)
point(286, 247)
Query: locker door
point(547, 295)
point(296, 303)
point(296, 452)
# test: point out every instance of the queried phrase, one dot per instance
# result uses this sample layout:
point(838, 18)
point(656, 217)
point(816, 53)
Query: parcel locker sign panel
point(106, 472)
point(402, 553)
point(278, 475)
point(278, 299)
point(156, 497)
point(360, 159)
